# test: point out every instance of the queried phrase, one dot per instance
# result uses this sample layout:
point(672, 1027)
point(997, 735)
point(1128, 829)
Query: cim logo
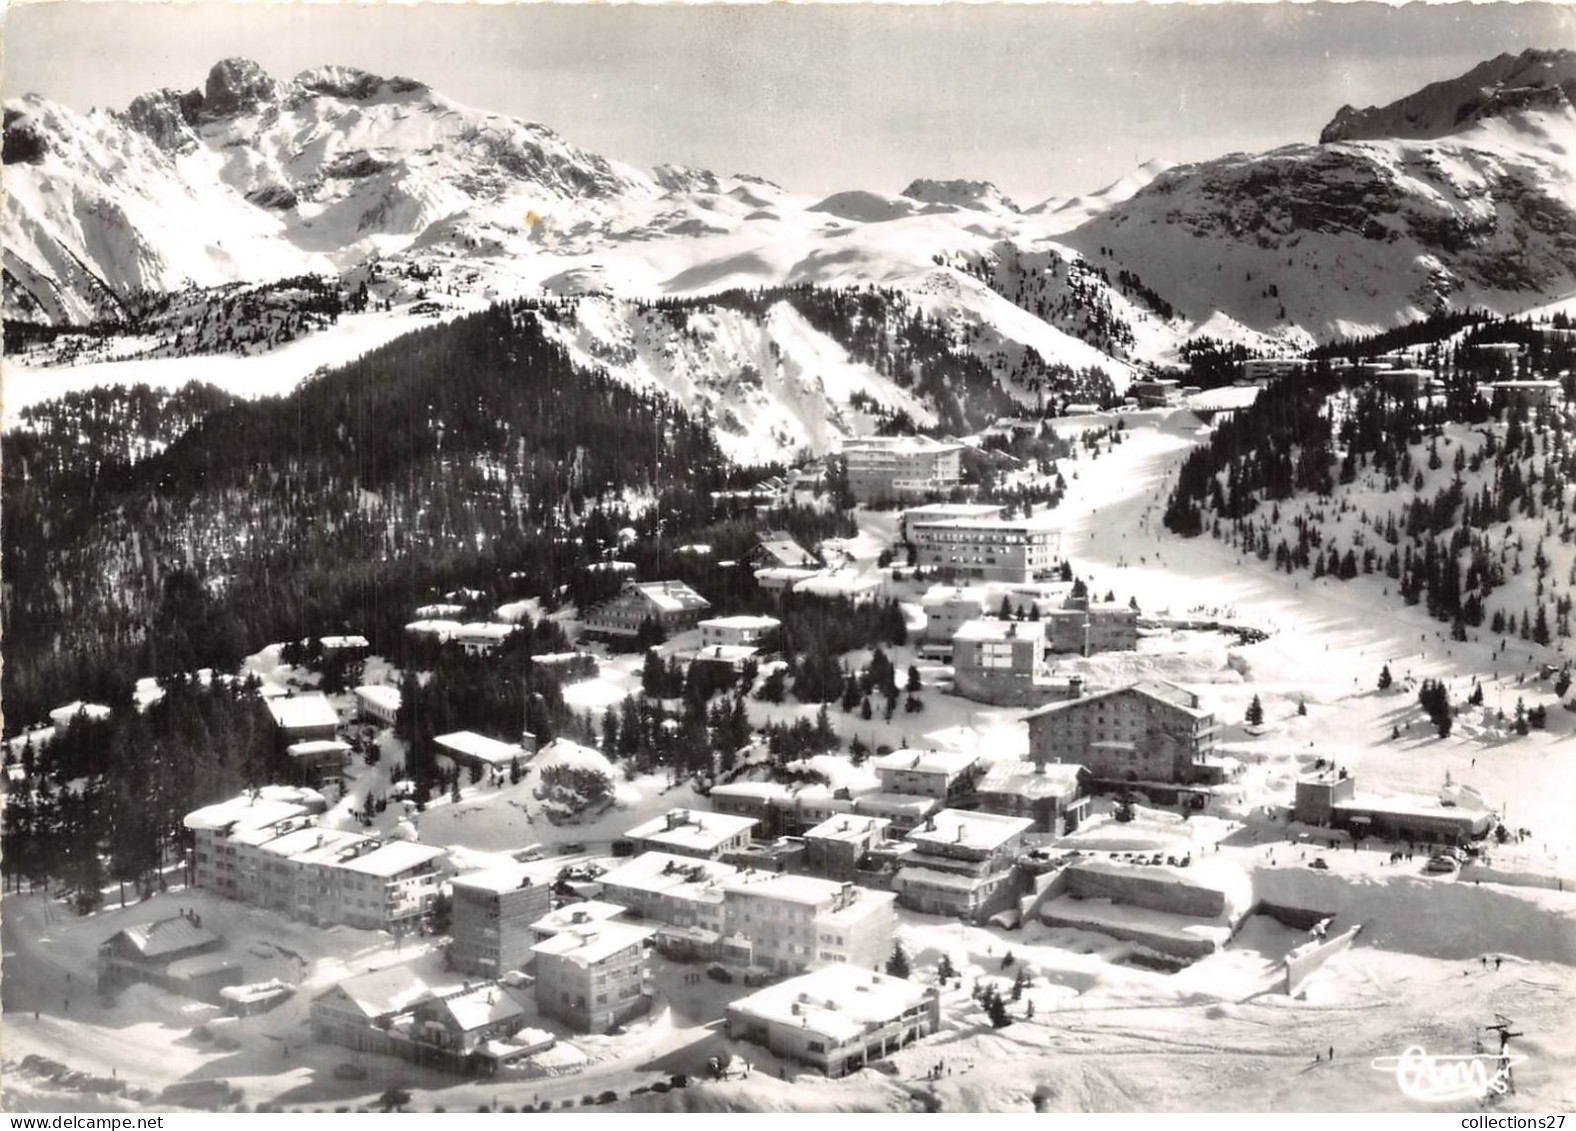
point(1441, 1079)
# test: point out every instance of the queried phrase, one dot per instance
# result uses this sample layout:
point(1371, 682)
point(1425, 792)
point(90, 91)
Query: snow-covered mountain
point(1533, 80)
point(189, 213)
point(1309, 242)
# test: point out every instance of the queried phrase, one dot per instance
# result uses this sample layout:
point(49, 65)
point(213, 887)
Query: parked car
point(1441, 864)
point(1320, 863)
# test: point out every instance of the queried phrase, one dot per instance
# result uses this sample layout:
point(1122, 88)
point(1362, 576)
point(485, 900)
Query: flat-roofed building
point(794, 923)
point(301, 718)
point(1014, 550)
point(390, 888)
point(1085, 627)
point(481, 638)
point(679, 891)
point(692, 832)
point(577, 914)
point(319, 759)
point(905, 810)
point(778, 548)
point(1048, 793)
point(962, 864)
point(740, 631)
point(1001, 661)
point(836, 1019)
point(1272, 368)
point(593, 977)
point(1526, 394)
point(946, 775)
point(891, 468)
point(377, 703)
point(493, 920)
point(836, 846)
point(949, 607)
point(1150, 731)
point(1331, 798)
point(945, 512)
point(1158, 392)
point(466, 748)
point(1405, 382)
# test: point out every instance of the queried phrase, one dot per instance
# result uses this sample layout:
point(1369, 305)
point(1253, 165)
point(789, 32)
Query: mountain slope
point(1533, 80)
point(1316, 241)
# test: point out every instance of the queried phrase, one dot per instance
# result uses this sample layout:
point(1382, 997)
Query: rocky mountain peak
point(237, 86)
point(959, 193)
point(1505, 84)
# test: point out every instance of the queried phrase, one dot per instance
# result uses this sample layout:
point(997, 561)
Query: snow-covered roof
point(1045, 522)
point(939, 595)
point(575, 914)
point(838, 1001)
point(480, 1007)
point(787, 552)
point(469, 744)
point(934, 877)
point(297, 712)
point(379, 993)
point(847, 827)
point(246, 812)
point(334, 643)
point(726, 653)
point(168, 936)
point(440, 628)
point(671, 596)
point(439, 612)
point(62, 716)
point(662, 873)
point(837, 585)
point(899, 445)
point(896, 804)
point(754, 790)
point(971, 830)
point(990, 629)
point(317, 746)
point(692, 828)
point(951, 510)
point(785, 573)
point(1227, 398)
point(380, 695)
point(947, 762)
point(482, 630)
point(394, 857)
point(743, 623)
point(1030, 779)
point(783, 886)
point(1167, 693)
point(318, 845)
point(585, 945)
point(497, 880)
point(612, 567)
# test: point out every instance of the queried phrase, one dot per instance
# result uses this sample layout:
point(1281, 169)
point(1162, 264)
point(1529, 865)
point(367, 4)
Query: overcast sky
point(1042, 100)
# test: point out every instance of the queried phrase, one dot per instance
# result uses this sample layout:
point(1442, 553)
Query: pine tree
point(897, 962)
point(1385, 679)
point(945, 971)
point(1255, 716)
point(996, 1009)
point(1302, 708)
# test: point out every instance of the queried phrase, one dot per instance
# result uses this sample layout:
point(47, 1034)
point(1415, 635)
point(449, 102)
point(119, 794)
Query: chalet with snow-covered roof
point(175, 954)
point(671, 605)
point(778, 548)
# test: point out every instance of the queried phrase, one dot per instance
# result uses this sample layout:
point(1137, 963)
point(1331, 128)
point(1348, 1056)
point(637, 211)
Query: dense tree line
point(463, 454)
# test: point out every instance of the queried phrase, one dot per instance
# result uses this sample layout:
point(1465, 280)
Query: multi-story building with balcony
point(1151, 731)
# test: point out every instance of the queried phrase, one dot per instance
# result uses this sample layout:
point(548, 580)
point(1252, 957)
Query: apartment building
point(946, 775)
point(890, 468)
point(493, 920)
point(835, 847)
point(795, 923)
point(1150, 731)
point(377, 703)
point(736, 631)
point(593, 977)
point(962, 864)
point(1017, 550)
